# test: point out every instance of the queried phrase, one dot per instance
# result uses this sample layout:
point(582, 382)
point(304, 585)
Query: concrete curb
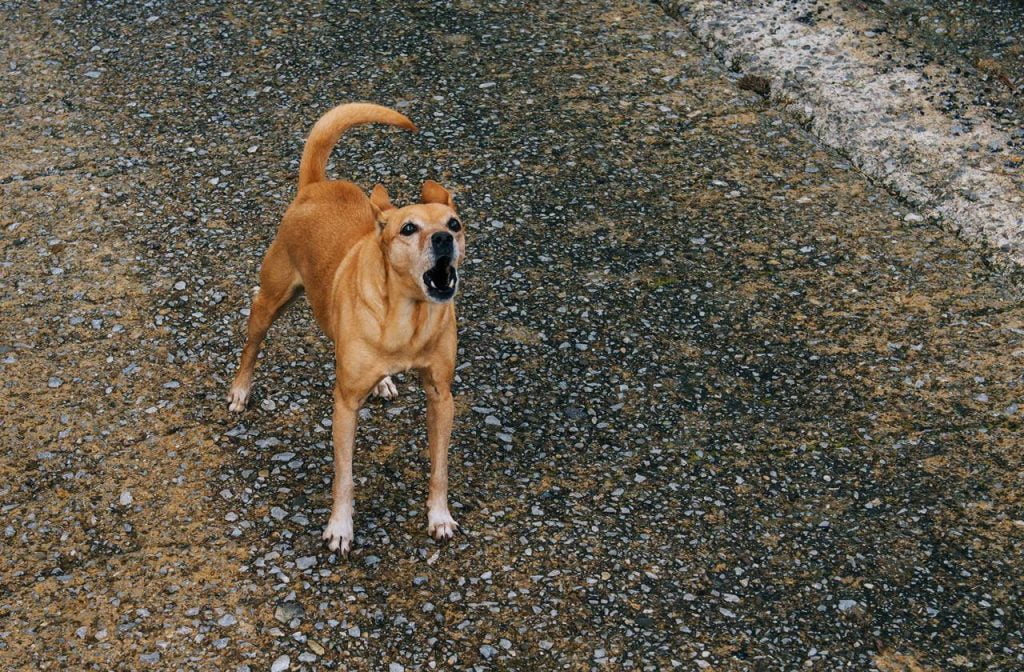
point(876, 100)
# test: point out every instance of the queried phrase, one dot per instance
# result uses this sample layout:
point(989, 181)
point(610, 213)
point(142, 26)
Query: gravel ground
point(722, 403)
point(984, 37)
point(899, 91)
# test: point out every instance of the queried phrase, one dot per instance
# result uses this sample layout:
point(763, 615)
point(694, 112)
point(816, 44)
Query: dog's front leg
point(440, 412)
point(338, 532)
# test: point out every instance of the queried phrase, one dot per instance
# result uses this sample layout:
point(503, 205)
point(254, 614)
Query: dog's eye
point(409, 229)
point(454, 224)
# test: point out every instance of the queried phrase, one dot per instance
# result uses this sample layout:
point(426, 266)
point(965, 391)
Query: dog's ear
point(380, 201)
point(380, 198)
point(433, 192)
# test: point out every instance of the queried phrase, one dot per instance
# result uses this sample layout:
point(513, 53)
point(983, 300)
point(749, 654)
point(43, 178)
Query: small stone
point(281, 664)
point(227, 620)
point(288, 611)
point(126, 498)
point(488, 651)
point(153, 657)
point(315, 646)
point(396, 667)
point(93, 74)
point(354, 631)
point(54, 382)
point(546, 644)
point(847, 605)
point(913, 217)
point(305, 562)
point(179, 285)
point(278, 513)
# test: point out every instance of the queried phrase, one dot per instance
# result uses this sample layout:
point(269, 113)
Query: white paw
point(338, 535)
point(441, 525)
point(238, 396)
point(386, 388)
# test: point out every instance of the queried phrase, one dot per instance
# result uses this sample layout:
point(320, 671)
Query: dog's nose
point(443, 244)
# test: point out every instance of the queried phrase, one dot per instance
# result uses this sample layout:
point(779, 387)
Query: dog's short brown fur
point(381, 281)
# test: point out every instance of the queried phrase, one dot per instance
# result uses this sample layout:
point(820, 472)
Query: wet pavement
point(722, 403)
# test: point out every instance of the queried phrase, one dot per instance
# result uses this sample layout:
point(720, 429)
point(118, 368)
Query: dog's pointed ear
point(433, 192)
point(380, 197)
point(380, 201)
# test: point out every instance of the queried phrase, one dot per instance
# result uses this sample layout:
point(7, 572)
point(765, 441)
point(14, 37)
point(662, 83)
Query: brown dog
point(381, 281)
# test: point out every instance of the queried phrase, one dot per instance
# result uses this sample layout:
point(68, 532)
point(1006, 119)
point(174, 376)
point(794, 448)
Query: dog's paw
point(441, 525)
point(338, 535)
point(386, 388)
point(238, 396)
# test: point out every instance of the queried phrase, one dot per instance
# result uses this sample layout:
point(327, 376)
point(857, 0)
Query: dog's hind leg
point(280, 284)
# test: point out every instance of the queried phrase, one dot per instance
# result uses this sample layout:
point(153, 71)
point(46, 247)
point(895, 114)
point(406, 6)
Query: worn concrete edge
point(872, 110)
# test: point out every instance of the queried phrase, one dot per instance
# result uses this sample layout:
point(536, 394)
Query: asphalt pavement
point(722, 401)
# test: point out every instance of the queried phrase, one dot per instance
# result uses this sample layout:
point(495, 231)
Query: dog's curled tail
point(329, 128)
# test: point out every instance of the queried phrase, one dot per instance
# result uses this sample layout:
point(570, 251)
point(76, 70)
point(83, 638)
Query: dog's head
point(423, 243)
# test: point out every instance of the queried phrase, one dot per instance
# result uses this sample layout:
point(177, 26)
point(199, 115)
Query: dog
point(381, 281)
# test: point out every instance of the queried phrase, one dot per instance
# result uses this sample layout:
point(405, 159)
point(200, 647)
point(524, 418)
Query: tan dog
point(381, 281)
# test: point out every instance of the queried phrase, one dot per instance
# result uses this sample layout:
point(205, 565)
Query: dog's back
point(328, 217)
point(320, 228)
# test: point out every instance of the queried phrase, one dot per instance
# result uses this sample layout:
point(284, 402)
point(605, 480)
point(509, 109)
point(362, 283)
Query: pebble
point(227, 620)
point(281, 664)
point(288, 611)
point(126, 498)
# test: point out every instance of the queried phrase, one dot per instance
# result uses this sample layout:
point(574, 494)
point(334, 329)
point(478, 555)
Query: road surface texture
point(899, 87)
point(721, 405)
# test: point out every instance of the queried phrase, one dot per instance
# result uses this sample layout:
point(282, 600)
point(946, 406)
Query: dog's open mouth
point(440, 280)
